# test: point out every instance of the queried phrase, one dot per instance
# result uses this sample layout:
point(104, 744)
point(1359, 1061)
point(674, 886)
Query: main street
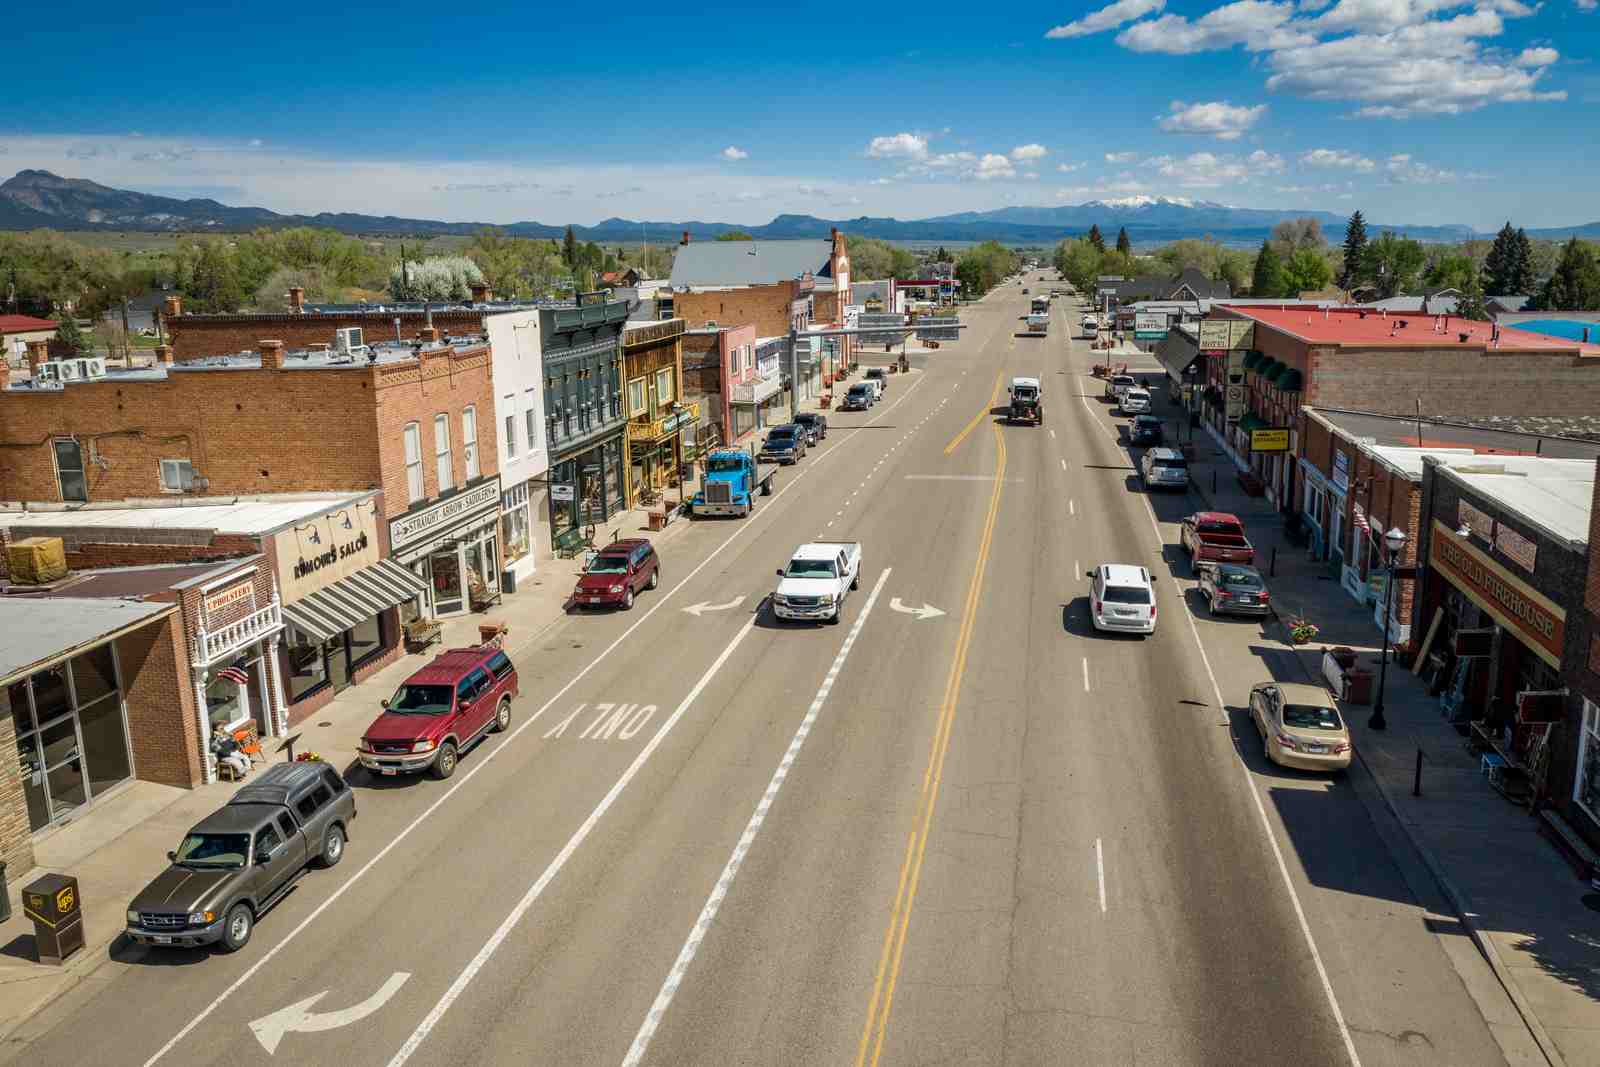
point(981, 837)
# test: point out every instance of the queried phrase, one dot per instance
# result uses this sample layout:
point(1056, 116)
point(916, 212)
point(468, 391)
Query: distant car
point(617, 573)
point(1134, 401)
point(1300, 726)
point(815, 425)
point(878, 379)
point(859, 398)
point(1024, 291)
point(1145, 430)
point(1122, 597)
point(784, 444)
point(1233, 589)
point(1117, 384)
point(1163, 468)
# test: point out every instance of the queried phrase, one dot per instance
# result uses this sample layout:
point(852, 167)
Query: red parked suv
point(441, 711)
point(617, 572)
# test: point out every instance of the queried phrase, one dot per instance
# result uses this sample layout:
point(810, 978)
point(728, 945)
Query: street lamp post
point(1394, 541)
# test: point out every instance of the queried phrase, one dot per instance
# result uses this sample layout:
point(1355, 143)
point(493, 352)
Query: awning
point(1252, 421)
point(1291, 381)
point(354, 599)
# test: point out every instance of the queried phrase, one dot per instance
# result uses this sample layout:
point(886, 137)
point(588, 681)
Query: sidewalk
point(121, 845)
point(1527, 912)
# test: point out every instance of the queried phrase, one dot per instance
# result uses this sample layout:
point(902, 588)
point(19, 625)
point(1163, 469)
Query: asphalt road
point(987, 836)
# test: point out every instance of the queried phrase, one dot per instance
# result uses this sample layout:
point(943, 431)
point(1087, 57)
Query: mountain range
point(38, 199)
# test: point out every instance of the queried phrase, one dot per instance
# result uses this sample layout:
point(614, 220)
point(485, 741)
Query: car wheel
point(237, 928)
point(837, 616)
point(655, 578)
point(855, 583)
point(502, 715)
point(627, 600)
point(332, 847)
point(445, 765)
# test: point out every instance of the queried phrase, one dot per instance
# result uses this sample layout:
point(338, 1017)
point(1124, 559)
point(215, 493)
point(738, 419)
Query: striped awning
point(354, 599)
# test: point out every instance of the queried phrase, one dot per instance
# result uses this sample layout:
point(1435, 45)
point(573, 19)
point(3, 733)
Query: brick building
point(720, 374)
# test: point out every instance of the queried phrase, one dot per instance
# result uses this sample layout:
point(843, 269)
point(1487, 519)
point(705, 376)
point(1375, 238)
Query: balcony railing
point(649, 430)
point(579, 318)
point(212, 645)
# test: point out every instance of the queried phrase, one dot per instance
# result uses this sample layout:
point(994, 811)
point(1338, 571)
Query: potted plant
point(1302, 631)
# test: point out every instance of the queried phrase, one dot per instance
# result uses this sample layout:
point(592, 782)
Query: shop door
point(447, 582)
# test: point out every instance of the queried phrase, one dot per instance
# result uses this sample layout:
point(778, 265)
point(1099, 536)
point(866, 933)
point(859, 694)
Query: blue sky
point(1418, 111)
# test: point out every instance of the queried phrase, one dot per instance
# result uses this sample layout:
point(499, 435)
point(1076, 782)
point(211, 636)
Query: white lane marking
point(1086, 674)
point(538, 887)
point(1063, 464)
point(1077, 572)
point(298, 1018)
point(1266, 824)
point(1052, 435)
point(479, 762)
point(1072, 507)
point(719, 892)
point(927, 611)
point(699, 609)
point(1100, 872)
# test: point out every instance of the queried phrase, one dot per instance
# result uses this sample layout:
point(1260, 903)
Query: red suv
point(441, 711)
point(617, 572)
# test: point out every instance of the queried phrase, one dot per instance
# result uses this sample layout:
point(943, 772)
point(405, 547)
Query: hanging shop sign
point(437, 519)
point(1227, 335)
point(1270, 439)
point(1538, 622)
point(563, 493)
point(1515, 547)
point(1149, 325)
point(324, 549)
point(1341, 471)
point(1477, 521)
point(226, 597)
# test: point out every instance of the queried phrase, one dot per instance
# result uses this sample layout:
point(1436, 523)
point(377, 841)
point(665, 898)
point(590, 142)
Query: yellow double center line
point(955, 442)
point(894, 938)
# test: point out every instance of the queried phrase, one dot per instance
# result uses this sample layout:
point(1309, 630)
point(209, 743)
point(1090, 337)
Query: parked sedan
point(618, 572)
point(1234, 589)
point(1144, 430)
point(1300, 726)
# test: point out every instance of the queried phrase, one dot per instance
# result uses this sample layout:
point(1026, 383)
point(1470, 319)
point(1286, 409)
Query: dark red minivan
point(617, 573)
point(441, 711)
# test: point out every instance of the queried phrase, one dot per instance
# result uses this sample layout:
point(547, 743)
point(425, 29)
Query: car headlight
point(423, 746)
point(616, 589)
point(825, 598)
point(779, 598)
point(202, 918)
point(133, 917)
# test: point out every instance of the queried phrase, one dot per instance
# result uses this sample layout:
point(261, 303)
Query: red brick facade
point(163, 725)
point(197, 336)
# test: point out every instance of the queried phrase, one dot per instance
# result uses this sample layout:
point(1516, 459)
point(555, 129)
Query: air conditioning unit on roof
point(91, 368)
point(61, 370)
point(348, 341)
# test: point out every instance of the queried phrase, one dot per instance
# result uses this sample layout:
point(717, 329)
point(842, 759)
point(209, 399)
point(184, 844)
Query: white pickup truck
point(819, 576)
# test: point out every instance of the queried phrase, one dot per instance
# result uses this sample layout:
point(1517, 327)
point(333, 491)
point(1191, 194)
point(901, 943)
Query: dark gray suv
point(240, 860)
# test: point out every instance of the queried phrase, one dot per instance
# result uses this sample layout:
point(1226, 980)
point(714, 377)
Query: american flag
point(235, 672)
point(1360, 520)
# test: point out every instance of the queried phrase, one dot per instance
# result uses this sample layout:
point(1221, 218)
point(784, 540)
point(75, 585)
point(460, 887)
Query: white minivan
point(1122, 597)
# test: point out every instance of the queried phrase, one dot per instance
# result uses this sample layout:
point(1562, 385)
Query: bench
point(485, 599)
point(568, 543)
point(1576, 848)
point(422, 633)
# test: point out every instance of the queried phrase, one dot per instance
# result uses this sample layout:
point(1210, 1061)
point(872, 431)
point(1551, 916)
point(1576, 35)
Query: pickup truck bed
point(1216, 537)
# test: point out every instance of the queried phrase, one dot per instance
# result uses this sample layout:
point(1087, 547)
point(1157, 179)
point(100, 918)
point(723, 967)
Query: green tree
point(1203, 255)
point(1522, 277)
point(902, 264)
point(1234, 266)
point(1355, 252)
point(1393, 263)
point(1575, 284)
point(1291, 235)
point(437, 278)
point(208, 277)
point(1508, 268)
point(70, 336)
point(1470, 305)
point(1307, 270)
point(1450, 269)
point(735, 235)
point(1079, 262)
point(569, 248)
point(870, 258)
point(1124, 245)
point(1096, 239)
point(1267, 278)
point(942, 256)
point(984, 266)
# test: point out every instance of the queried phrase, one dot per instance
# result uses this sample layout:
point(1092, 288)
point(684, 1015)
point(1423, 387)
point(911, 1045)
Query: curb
point(1458, 900)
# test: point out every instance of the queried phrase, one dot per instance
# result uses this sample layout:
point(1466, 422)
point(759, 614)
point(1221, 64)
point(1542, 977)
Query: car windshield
point(1024, 392)
point(1242, 580)
point(806, 420)
point(1126, 594)
point(1311, 717)
point(421, 700)
point(1173, 464)
point(810, 568)
point(609, 563)
point(221, 851)
point(725, 465)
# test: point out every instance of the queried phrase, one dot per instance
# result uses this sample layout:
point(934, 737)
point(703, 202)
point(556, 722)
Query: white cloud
point(1259, 25)
point(1027, 153)
point(1336, 158)
point(809, 190)
point(898, 146)
point(1218, 119)
point(1264, 162)
point(1204, 170)
point(1537, 57)
point(1403, 170)
point(163, 155)
point(1107, 18)
point(732, 153)
point(1068, 168)
point(1121, 157)
point(993, 165)
point(881, 181)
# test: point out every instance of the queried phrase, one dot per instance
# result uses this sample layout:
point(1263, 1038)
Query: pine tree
point(1267, 279)
point(569, 248)
point(1355, 247)
point(1124, 245)
point(1095, 239)
point(1470, 304)
point(1575, 284)
point(70, 336)
point(1499, 266)
point(1521, 278)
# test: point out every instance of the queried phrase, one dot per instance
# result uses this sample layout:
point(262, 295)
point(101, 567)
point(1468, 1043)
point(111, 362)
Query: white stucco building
point(515, 350)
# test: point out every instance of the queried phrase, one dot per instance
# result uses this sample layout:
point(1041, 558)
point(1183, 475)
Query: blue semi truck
point(731, 481)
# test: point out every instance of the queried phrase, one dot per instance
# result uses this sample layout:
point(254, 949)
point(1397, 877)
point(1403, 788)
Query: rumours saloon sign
point(324, 549)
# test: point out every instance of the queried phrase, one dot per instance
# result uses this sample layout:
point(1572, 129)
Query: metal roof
point(41, 631)
point(734, 263)
point(1510, 435)
point(241, 516)
point(1554, 494)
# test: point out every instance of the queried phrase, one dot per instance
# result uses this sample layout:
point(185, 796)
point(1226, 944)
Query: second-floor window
point(511, 426)
point(441, 452)
point(177, 475)
point(69, 470)
point(469, 440)
point(413, 439)
point(636, 397)
point(530, 416)
point(666, 391)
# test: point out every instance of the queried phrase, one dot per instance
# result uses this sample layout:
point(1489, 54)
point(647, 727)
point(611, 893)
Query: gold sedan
point(1300, 726)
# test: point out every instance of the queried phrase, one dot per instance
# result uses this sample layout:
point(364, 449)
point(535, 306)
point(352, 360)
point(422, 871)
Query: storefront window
point(448, 588)
point(516, 532)
point(613, 473)
point(366, 640)
point(1586, 790)
point(68, 750)
point(563, 513)
point(306, 667)
point(224, 702)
